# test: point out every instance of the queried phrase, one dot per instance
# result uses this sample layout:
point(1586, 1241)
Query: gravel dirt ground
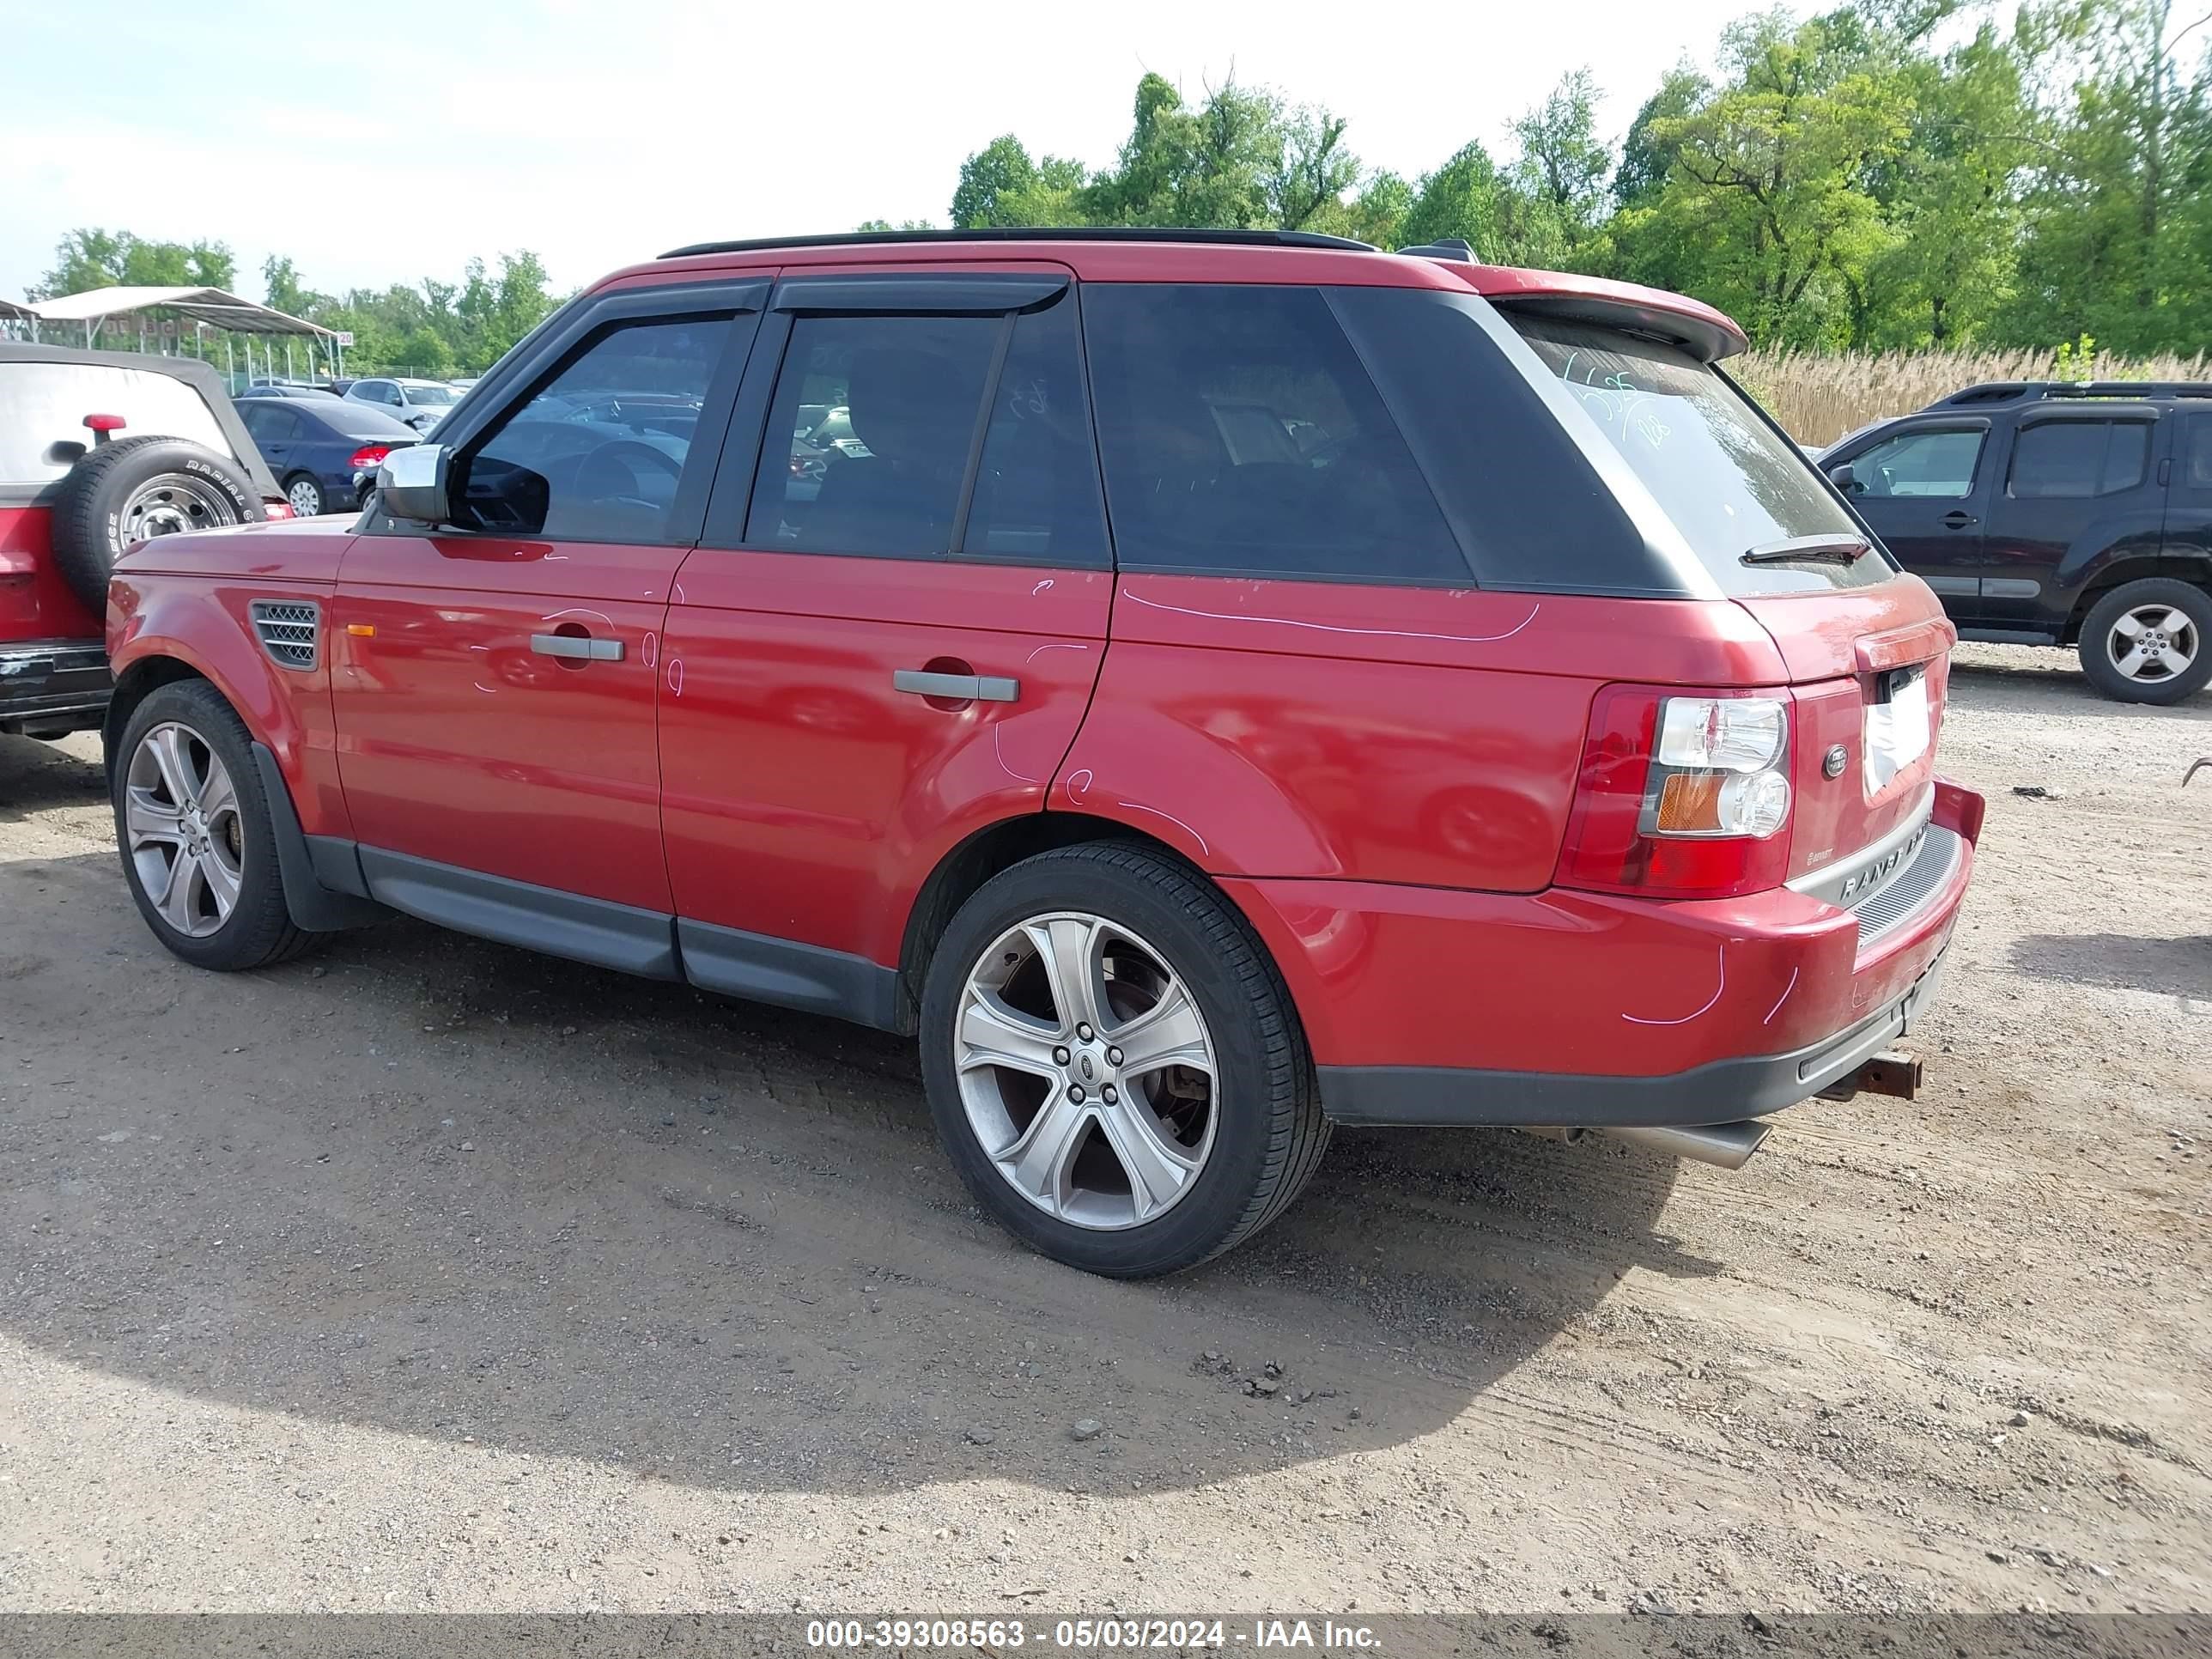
point(426, 1274)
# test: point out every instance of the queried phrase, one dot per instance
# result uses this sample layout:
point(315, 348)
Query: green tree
point(1470, 199)
point(91, 258)
point(1562, 163)
point(1645, 161)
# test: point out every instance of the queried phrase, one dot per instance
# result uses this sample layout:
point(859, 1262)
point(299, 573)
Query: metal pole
point(287, 356)
point(229, 364)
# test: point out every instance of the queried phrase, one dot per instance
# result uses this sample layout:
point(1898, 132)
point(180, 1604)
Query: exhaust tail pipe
point(1729, 1145)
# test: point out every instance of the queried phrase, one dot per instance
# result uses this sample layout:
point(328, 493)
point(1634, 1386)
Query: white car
point(420, 403)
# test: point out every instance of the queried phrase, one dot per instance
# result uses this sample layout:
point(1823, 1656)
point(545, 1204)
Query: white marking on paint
point(1018, 777)
point(1042, 649)
point(481, 687)
point(1135, 806)
point(1041, 587)
point(676, 676)
point(1080, 781)
point(1637, 1019)
point(579, 610)
point(1332, 628)
point(479, 647)
point(651, 648)
point(1785, 997)
point(679, 593)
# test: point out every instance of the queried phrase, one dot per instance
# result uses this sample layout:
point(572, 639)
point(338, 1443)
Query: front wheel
point(198, 848)
point(2149, 641)
point(1114, 1064)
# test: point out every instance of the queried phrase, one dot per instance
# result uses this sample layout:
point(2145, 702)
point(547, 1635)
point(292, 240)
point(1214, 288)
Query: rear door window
point(2076, 458)
point(1730, 483)
point(1926, 465)
point(1242, 436)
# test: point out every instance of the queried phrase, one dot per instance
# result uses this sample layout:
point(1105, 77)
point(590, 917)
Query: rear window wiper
point(1843, 547)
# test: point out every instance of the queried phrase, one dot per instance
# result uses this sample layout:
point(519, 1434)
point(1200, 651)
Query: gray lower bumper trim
point(1419, 1097)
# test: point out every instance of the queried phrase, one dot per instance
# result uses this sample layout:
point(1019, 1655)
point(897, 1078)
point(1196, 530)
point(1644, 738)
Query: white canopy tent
point(163, 312)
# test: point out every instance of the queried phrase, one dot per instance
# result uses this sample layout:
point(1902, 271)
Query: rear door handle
point(1954, 519)
point(965, 688)
point(578, 647)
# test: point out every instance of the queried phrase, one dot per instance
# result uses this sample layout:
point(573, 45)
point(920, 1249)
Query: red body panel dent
point(807, 798)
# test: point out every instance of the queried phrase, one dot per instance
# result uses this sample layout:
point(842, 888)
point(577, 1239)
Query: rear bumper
point(46, 684)
point(1561, 1008)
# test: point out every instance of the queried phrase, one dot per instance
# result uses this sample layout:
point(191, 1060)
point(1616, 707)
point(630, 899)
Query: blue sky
point(383, 143)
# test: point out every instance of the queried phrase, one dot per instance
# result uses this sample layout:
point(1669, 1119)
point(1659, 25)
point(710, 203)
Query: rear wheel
point(1114, 1064)
point(2149, 641)
point(193, 824)
point(305, 494)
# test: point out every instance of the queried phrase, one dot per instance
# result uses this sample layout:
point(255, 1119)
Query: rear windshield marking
point(1332, 628)
point(1638, 1019)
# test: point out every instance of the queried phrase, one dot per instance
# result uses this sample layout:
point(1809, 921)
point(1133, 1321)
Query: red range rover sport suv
point(1209, 686)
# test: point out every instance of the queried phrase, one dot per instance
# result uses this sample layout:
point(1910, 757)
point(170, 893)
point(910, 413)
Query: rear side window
point(2196, 453)
point(1242, 436)
point(1036, 487)
point(1926, 465)
point(1730, 482)
point(44, 404)
point(596, 454)
point(2079, 458)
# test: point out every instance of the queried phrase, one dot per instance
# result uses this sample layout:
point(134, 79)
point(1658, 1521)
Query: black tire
point(91, 525)
point(1270, 1133)
point(2097, 640)
point(321, 497)
point(259, 930)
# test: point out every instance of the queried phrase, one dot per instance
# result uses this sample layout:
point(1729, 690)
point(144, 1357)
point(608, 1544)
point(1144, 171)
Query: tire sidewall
point(2096, 641)
point(1244, 1093)
point(198, 707)
point(89, 525)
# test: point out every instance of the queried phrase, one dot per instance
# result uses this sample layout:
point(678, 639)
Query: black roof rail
point(1445, 247)
point(2011, 392)
point(995, 233)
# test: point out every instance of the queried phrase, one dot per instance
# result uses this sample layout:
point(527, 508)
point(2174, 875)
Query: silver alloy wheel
point(185, 839)
point(306, 498)
point(1087, 1072)
point(173, 501)
point(2153, 644)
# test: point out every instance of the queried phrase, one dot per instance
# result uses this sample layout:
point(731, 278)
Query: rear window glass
point(1729, 482)
point(2079, 458)
point(1241, 435)
point(44, 404)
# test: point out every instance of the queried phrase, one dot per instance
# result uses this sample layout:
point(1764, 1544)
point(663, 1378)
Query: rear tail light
point(275, 506)
point(369, 455)
point(1681, 797)
point(103, 426)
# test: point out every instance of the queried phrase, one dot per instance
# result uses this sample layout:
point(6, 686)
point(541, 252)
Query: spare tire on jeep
point(126, 491)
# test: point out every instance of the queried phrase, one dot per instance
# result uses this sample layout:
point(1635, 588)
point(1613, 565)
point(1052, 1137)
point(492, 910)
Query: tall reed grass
point(1817, 398)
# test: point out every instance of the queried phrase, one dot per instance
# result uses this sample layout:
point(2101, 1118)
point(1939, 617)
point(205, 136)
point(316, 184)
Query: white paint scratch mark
point(676, 676)
point(1135, 806)
point(479, 647)
point(1637, 1019)
point(481, 687)
point(651, 648)
point(1018, 777)
point(1079, 782)
point(579, 610)
point(1784, 998)
point(1042, 649)
point(1041, 587)
point(679, 593)
point(1332, 628)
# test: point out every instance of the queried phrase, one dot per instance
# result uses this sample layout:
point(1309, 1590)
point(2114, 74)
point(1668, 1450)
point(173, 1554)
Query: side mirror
point(1844, 479)
point(411, 483)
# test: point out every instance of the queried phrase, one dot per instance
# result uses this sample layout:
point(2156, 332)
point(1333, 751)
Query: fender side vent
point(288, 631)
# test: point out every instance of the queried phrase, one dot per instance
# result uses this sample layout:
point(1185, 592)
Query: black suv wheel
point(2149, 641)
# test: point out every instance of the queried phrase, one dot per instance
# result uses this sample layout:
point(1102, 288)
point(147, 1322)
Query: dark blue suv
point(2048, 513)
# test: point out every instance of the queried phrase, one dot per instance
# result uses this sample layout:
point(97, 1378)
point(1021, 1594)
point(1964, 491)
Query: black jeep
point(2049, 512)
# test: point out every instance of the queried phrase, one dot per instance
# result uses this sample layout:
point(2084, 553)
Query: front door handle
point(962, 687)
point(577, 647)
point(1954, 519)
